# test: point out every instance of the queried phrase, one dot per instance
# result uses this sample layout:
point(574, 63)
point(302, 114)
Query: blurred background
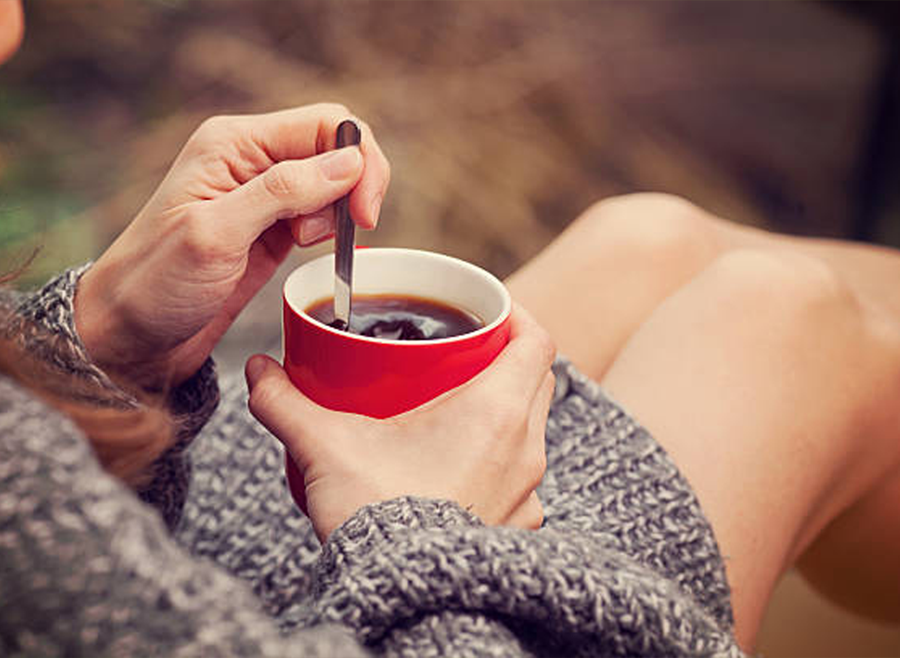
point(502, 120)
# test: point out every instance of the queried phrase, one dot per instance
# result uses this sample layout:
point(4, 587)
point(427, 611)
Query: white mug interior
point(417, 273)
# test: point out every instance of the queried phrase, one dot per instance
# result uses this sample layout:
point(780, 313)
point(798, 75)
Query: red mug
point(379, 377)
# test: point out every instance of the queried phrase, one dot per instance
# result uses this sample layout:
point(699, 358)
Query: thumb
point(282, 408)
point(288, 189)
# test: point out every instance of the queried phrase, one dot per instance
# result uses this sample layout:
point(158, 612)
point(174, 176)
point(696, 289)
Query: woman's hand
point(242, 191)
point(481, 445)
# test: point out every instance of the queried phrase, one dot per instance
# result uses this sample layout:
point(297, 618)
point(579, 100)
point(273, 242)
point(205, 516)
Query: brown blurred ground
point(502, 121)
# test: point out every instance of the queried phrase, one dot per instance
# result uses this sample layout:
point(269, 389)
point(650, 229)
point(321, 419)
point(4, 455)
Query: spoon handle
point(344, 237)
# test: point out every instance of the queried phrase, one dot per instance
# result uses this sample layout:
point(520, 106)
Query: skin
point(767, 366)
point(12, 28)
point(241, 194)
point(349, 460)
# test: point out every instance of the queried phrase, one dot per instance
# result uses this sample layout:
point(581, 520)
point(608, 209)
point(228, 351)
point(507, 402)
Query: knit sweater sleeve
point(88, 570)
point(625, 564)
point(43, 323)
point(469, 590)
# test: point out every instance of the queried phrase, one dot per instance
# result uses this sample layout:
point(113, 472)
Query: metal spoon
point(348, 134)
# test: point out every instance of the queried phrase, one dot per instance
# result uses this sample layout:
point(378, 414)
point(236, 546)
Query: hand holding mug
point(242, 191)
point(480, 444)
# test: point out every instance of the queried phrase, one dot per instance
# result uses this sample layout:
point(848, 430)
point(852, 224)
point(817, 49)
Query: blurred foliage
point(503, 119)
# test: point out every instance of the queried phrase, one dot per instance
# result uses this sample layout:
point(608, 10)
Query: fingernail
point(340, 164)
point(376, 209)
point(314, 228)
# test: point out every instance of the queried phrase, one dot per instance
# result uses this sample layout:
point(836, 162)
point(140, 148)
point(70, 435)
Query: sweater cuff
point(43, 324)
point(378, 523)
point(361, 550)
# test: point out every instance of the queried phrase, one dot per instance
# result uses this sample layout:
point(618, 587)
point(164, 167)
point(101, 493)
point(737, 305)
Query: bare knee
point(793, 292)
point(659, 230)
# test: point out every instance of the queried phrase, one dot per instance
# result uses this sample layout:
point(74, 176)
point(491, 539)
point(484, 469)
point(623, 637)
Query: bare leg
point(598, 283)
point(854, 561)
point(601, 278)
point(771, 390)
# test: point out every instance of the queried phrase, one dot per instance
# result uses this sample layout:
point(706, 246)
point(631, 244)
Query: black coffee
point(399, 317)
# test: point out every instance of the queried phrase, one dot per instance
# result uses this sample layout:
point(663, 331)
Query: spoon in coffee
point(348, 134)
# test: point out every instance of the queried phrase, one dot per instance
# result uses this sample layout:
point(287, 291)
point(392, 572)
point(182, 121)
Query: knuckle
point(200, 243)
point(194, 236)
point(211, 130)
point(538, 349)
point(326, 113)
point(509, 415)
point(283, 180)
point(333, 108)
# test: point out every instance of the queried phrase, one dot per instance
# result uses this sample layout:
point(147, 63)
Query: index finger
point(306, 131)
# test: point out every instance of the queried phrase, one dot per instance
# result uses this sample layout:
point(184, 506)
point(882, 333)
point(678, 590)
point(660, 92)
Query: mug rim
point(410, 344)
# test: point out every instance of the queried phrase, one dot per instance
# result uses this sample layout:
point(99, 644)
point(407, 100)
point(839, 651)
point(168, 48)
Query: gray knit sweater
point(213, 559)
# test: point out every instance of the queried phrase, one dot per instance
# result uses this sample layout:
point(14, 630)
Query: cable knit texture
point(43, 324)
point(625, 565)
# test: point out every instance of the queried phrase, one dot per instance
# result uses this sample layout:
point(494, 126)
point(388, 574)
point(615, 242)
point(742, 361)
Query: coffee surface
point(399, 317)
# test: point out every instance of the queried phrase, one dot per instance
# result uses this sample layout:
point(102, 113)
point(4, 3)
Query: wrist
point(103, 332)
point(92, 321)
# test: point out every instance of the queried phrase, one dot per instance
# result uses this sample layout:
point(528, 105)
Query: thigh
point(765, 381)
point(854, 561)
point(606, 273)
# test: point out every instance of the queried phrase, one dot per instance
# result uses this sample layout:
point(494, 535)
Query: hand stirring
point(348, 134)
